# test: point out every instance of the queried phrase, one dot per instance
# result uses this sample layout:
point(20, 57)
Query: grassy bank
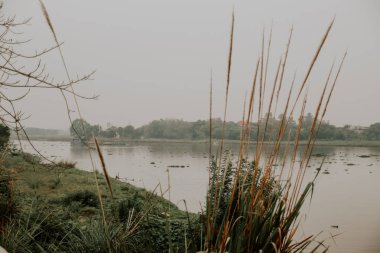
point(56, 209)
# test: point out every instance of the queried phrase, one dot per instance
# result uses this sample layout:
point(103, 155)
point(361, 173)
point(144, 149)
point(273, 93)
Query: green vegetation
point(373, 132)
point(4, 136)
point(175, 129)
point(254, 206)
point(263, 224)
point(39, 215)
point(83, 130)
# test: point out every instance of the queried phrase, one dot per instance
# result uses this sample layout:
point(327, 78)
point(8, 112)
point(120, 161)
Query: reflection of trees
point(77, 151)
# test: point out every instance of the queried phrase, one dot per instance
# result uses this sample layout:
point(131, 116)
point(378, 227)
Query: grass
point(68, 218)
point(72, 180)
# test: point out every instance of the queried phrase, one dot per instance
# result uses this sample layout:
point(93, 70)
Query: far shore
point(110, 141)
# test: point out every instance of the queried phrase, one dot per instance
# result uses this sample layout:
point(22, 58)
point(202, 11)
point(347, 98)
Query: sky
point(153, 58)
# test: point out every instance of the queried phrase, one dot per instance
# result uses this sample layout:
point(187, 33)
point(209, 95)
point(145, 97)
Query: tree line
point(199, 130)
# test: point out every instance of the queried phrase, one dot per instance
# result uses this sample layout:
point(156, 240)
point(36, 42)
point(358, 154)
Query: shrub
point(8, 205)
point(95, 238)
point(34, 183)
point(42, 229)
point(85, 198)
point(49, 226)
point(152, 235)
point(66, 164)
point(126, 206)
point(4, 136)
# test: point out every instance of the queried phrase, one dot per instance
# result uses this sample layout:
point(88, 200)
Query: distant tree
point(199, 130)
point(139, 133)
point(154, 129)
point(327, 132)
point(232, 131)
point(306, 126)
point(129, 132)
point(373, 132)
point(110, 132)
point(83, 130)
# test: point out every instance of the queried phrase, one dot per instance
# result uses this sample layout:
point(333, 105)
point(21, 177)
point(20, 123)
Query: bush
point(85, 198)
point(127, 205)
point(124, 209)
point(66, 164)
point(41, 229)
point(49, 226)
point(153, 235)
point(230, 200)
point(95, 238)
point(4, 136)
point(8, 205)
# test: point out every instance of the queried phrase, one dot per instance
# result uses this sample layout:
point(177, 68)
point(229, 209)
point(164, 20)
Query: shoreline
point(116, 142)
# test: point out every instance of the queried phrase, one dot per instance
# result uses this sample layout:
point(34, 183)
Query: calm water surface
point(347, 197)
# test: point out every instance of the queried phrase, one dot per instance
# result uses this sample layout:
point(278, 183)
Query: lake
point(345, 203)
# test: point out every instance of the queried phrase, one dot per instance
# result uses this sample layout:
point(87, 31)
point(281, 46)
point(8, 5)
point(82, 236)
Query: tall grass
point(107, 233)
point(255, 206)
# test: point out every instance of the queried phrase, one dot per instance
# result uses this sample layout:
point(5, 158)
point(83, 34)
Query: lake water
point(347, 197)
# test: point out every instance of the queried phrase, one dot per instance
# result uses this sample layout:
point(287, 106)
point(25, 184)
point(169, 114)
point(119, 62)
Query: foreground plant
point(254, 206)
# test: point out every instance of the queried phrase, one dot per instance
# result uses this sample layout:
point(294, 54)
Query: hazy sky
point(153, 57)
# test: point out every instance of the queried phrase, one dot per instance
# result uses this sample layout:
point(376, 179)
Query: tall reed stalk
point(107, 234)
point(252, 206)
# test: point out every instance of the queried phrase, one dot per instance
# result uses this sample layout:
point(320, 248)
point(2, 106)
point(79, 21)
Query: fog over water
point(153, 58)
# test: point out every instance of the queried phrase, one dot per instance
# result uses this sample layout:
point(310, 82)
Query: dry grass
point(251, 206)
point(103, 163)
point(66, 164)
point(75, 95)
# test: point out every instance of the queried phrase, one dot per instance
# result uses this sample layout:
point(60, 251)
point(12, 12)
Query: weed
point(34, 183)
point(85, 198)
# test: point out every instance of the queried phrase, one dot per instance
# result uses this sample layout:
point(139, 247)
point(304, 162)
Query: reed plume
point(251, 206)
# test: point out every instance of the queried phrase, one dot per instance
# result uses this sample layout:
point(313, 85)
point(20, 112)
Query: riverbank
point(54, 206)
point(111, 141)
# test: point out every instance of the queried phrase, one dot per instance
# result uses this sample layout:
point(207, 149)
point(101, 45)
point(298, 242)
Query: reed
point(107, 232)
point(103, 163)
point(252, 206)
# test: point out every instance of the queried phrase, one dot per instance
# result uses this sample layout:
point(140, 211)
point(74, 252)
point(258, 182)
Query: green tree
point(83, 130)
point(373, 132)
point(129, 132)
point(110, 132)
